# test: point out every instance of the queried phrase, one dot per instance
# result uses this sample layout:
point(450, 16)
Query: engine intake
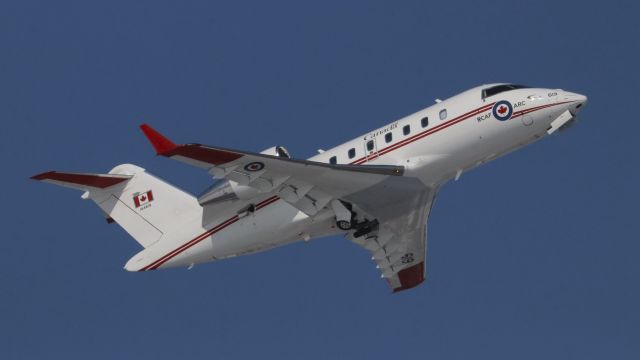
point(279, 151)
point(228, 190)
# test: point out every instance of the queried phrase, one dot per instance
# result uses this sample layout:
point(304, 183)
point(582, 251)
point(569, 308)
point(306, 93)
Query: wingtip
point(160, 143)
point(410, 277)
point(42, 176)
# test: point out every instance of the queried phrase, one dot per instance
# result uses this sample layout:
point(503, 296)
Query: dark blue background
point(532, 256)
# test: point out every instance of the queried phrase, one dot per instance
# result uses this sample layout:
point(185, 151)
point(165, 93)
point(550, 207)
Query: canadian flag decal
point(140, 199)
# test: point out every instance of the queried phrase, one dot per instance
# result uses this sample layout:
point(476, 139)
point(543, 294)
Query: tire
point(343, 225)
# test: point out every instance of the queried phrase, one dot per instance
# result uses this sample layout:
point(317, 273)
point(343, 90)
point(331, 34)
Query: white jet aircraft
point(377, 189)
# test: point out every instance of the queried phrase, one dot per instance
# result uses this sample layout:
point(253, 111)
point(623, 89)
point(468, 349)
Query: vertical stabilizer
point(145, 206)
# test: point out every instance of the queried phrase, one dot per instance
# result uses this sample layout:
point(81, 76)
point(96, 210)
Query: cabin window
point(370, 145)
point(406, 129)
point(352, 153)
point(425, 121)
point(388, 137)
point(443, 114)
point(333, 160)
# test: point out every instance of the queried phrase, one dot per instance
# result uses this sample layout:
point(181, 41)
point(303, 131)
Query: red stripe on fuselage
point(530, 110)
point(189, 244)
point(157, 263)
point(445, 125)
point(427, 132)
point(267, 202)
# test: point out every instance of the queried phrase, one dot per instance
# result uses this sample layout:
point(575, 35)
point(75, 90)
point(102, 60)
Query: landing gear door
point(370, 148)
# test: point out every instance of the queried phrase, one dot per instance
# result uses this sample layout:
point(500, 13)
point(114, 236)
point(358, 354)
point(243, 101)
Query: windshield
point(494, 90)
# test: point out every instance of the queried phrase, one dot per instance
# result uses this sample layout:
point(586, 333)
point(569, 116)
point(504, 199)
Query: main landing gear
point(343, 225)
point(345, 216)
point(365, 227)
point(346, 219)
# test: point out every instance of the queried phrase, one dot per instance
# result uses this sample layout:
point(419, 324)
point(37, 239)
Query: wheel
point(343, 225)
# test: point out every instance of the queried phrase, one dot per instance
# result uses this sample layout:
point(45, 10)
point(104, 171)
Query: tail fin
point(145, 206)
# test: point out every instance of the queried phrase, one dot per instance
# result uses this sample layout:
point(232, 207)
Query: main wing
point(307, 185)
point(399, 245)
point(394, 206)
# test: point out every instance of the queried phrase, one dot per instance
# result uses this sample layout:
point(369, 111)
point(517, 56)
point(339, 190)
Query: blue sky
point(532, 256)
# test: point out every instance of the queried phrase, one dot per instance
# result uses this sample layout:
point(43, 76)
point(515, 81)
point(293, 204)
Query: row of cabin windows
point(388, 137)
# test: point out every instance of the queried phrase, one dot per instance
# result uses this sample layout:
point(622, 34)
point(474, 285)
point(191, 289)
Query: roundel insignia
point(502, 110)
point(254, 166)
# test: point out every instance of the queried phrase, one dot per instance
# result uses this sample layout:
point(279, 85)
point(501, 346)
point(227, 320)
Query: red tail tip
point(159, 142)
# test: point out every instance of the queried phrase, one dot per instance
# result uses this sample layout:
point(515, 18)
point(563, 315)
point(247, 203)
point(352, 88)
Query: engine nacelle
point(229, 190)
point(243, 192)
point(279, 151)
point(226, 190)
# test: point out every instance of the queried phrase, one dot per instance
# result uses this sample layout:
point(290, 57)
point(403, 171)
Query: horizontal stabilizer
point(82, 181)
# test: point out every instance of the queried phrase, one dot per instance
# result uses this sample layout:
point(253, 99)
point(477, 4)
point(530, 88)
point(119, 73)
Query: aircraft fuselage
point(434, 145)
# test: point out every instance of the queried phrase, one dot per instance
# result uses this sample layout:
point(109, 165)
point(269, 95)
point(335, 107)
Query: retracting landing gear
point(343, 225)
point(247, 210)
point(365, 227)
point(345, 217)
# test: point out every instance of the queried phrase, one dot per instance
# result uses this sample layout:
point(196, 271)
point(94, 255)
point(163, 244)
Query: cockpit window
point(495, 90)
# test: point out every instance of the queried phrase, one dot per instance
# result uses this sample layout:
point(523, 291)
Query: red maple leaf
point(502, 109)
point(143, 198)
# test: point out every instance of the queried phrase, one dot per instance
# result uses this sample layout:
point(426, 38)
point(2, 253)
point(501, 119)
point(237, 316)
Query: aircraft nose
point(577, 101)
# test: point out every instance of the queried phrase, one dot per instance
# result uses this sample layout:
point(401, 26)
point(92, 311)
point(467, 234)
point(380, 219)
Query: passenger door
point(371, 149)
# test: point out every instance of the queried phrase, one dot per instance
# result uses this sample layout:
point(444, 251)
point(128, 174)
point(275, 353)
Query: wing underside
point(398, 246)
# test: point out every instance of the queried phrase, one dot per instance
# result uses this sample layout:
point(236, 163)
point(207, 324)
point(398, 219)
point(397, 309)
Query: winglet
point(159, 142)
